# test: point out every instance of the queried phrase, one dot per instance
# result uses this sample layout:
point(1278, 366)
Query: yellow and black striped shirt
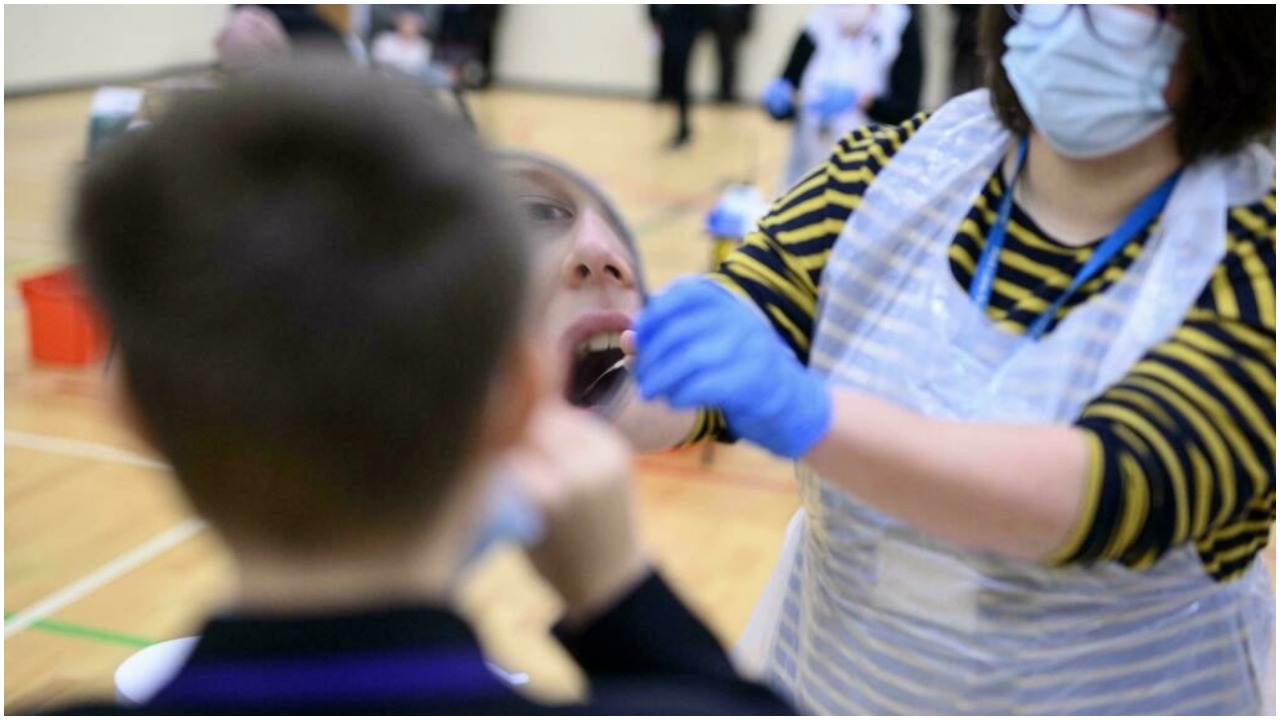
point(1182, 448)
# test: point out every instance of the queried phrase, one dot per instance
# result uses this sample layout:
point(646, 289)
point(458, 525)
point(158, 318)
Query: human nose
point(597, 255)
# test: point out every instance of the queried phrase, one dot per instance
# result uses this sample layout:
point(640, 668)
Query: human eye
point(547, 219)
point(545, 212)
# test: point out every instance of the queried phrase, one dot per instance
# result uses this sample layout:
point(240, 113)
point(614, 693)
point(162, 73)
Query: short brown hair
point(312, 278)
point(1230, 56)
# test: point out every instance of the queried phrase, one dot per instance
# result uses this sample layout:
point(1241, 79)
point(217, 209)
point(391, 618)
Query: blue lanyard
point(985, 275)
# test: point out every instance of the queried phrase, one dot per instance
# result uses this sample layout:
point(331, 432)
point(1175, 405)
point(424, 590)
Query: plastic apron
point(861, 62)
point(867, 615)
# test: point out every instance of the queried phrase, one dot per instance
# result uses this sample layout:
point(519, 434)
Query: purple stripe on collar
point(398, 675)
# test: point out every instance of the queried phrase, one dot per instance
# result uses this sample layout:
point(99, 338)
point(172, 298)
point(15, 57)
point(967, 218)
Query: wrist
point(816, 454)
point(816, 421)
point(797, 427)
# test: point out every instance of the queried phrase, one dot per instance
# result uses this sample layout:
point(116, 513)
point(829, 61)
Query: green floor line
point(88, 633)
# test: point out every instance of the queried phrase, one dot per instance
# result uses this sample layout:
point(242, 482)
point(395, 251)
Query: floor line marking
point(114, 569)
point(76, 448)
point(85, 632)
point(711, 476)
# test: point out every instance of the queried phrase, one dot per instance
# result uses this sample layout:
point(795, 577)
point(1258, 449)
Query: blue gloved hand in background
point(736, 212)
point(721, 222)
point(834, 100)
point(777, 98)
point(699, 346)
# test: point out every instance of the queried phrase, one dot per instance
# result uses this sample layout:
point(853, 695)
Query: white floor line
point(136, 557)
point(60, 446)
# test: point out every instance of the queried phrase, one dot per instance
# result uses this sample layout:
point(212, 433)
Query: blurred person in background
point(466, 41)
point(253, 37)
point(729, 24)
point(851, 66)
point(373, 20)
point(310, 34)
point(677, 28)
point(404, 49)
point(966, 66)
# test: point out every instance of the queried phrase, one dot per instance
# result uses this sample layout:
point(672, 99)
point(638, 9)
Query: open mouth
point(596, 370)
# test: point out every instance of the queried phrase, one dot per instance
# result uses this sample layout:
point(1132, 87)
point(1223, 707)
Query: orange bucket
point(62, 324)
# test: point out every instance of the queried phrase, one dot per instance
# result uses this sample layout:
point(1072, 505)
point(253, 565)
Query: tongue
point(586, 388)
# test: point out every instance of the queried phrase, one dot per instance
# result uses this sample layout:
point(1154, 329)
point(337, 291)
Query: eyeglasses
point(1043, 17)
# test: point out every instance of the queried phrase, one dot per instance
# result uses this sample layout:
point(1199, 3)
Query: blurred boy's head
point(317, 293)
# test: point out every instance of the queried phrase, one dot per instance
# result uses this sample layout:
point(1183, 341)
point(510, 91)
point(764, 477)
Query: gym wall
point(592, 48)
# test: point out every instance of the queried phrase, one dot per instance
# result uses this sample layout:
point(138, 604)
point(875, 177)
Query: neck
point(1079, 201)
point(416, 566)
point(274, 582)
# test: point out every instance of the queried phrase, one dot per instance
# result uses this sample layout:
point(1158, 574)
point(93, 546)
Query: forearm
point(646, 630)
point(1011, 489)
point(798, 60)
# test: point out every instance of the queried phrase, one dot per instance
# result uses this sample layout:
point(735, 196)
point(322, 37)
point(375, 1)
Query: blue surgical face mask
point(509, 518)
point(1087, 97)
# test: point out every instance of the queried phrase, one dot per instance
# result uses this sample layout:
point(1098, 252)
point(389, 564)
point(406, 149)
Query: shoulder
point(833, 189)
point(875, 144)
point(1243, 288)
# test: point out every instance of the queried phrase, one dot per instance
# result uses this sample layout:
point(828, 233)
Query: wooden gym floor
point(102, 558)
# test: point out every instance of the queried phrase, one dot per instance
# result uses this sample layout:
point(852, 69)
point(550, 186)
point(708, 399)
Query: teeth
point(603, 341)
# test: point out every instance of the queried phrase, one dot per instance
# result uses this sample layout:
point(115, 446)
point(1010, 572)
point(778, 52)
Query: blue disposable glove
point(834, 100)
point(509, 518)
point(777, 98)
point(722, 223)
point(699, 346)
point(735, 212)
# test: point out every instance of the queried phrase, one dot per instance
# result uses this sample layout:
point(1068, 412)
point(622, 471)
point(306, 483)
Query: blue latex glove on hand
point(777, 98)
point(699, 346)
point(834, 100)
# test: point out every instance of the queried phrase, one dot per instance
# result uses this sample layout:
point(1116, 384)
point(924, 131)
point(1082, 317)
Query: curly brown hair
point(1229, 54)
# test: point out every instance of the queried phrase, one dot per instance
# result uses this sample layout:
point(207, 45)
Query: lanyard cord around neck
point(985, 273)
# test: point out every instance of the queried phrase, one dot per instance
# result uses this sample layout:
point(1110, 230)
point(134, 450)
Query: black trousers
point(677, 50)
point(727, 37)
